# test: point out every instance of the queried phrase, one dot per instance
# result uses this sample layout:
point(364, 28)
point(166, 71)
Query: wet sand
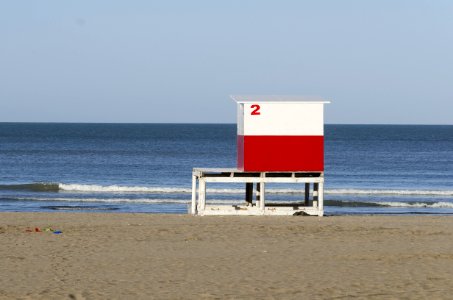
point(144, 256)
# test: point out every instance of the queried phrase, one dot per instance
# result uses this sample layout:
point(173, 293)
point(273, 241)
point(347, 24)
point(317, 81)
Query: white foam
point(181, 190)
point(121, 189)
point(127, 200)
point(216, 201)
point(93, 188)
point(390, 192)
point(418, 204)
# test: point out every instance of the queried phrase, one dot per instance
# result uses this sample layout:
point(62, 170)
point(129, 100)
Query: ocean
point(146, 168)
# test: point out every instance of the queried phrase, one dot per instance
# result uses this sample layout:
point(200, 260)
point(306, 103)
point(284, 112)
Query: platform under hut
point(313, 184)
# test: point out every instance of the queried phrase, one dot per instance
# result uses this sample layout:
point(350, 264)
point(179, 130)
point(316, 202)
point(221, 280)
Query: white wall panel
point(240, 118)
point(287, 118)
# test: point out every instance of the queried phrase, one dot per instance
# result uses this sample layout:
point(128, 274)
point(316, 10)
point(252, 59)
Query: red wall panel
point(280, 153)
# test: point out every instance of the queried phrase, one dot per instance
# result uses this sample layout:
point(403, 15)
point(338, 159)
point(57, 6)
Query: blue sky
point(178, 61)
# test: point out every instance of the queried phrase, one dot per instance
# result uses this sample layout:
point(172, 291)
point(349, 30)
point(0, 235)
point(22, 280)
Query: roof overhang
point(277, 99)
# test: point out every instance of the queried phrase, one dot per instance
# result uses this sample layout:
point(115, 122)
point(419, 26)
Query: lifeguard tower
point(280, 139)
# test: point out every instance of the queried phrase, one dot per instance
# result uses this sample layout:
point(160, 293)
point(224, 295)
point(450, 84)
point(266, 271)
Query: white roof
point(277, 98)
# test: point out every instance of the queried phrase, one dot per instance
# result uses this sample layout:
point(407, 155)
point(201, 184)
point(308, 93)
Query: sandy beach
point(144, 256)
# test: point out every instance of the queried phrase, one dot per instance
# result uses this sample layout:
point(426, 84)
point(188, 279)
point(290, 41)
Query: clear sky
point(178, 61)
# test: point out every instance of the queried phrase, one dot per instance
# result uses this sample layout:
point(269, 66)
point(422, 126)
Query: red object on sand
point(37, 229)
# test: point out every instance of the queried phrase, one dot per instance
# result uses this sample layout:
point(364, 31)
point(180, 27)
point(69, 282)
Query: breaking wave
point(119, 200)
point(332, 203)
point(390, 192)
point(33, 187)
point(121, 189)
point(93, 188)
point(418, 204)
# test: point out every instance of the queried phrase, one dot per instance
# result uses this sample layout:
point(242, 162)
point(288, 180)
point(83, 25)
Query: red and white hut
point(280, 139)
point(280, 133)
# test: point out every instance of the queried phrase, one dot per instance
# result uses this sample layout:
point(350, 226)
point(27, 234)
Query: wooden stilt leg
point(193, 209)
point(202, 195)
point(249, 193)
point(315, 194)
point(258, 193)
point(321, 199)
point(262, 196)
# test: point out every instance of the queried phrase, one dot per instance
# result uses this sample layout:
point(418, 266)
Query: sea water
point(369, 169)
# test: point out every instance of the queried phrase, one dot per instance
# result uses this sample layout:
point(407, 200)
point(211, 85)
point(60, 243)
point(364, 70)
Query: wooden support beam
point(194, 195)
point(315, 194)
point(202, 194)
point(258, 191)
point(321, 199)
point(249, 193)
point(262, 196)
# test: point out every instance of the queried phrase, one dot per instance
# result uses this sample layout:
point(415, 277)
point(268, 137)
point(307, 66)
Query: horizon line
point(207, 123)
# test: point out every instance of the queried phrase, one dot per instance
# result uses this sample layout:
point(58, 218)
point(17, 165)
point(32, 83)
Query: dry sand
point(143, 256)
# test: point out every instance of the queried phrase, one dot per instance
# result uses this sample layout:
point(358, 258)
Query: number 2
point(256, 111)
